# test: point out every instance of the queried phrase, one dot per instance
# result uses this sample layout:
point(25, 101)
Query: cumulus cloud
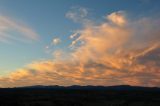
point(56, 41)
point(13, 30)
point(114, 52)
point(117, 18)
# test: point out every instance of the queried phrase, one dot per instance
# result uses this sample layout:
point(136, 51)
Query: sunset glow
point(78, 43)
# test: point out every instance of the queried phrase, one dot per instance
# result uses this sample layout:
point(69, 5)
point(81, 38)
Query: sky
point(79, 42)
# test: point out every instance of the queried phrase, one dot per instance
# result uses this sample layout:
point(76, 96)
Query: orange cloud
point(111, 54)
point(117, 18)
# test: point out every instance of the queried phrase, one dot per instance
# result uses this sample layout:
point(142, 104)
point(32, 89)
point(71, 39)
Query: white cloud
point(78, 14)
point(56, 41)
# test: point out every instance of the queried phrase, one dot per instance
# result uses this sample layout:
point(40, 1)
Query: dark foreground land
point(80, 96)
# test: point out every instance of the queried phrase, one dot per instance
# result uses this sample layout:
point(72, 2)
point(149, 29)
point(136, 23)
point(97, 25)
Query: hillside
point(122, 95)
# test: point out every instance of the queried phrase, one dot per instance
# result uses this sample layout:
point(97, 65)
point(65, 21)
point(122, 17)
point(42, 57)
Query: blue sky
point(46, 20)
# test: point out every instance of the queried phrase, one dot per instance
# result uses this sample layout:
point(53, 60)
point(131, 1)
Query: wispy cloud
point(49, 48)
point(14, 30)
point(112, 53)
point(78, 14)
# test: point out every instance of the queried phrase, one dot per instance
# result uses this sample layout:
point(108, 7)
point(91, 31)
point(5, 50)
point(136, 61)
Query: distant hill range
point(90, 87)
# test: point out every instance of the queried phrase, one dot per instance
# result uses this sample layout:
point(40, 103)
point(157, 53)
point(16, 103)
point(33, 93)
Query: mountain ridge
point(88, 87)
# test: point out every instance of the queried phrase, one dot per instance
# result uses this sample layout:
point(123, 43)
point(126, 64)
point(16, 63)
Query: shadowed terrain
point(80, 96)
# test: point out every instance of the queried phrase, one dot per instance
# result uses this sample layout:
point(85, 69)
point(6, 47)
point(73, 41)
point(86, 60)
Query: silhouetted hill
point(121, 95)
point(90, 87)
